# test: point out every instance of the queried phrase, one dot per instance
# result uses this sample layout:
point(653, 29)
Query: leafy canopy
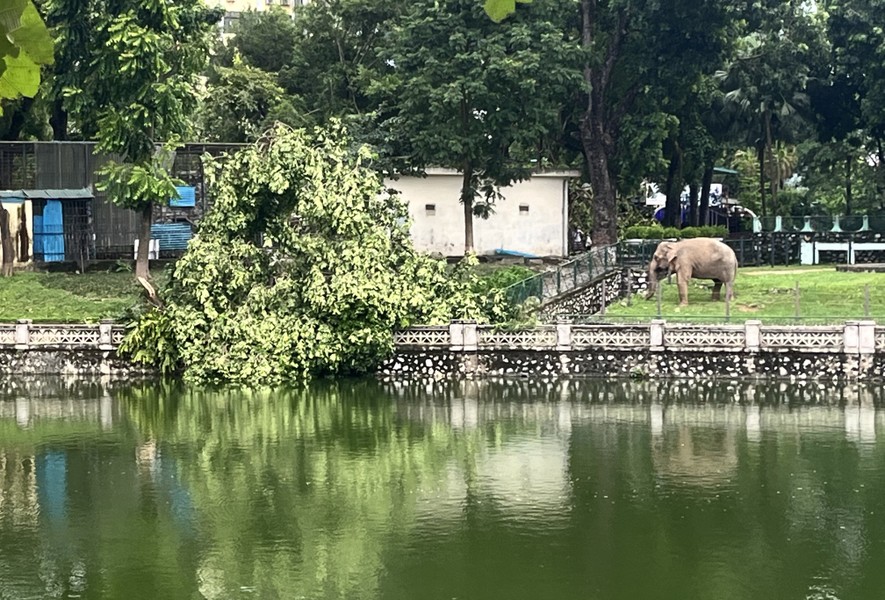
point(302, 267)
point(25, 45)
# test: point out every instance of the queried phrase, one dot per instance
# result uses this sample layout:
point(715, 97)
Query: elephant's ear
point(672, 254)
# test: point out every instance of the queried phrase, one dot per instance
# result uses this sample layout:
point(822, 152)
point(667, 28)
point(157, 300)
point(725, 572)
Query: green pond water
point(465, 490)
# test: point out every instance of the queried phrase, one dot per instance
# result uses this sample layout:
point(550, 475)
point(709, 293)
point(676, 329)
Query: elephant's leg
point(682, 284)
point(717, 288)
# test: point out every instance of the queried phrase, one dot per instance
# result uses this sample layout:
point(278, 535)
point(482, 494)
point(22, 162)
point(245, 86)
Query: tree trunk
point(23, 236)
point(673, 208)
point(848, 184)
point(59, 121)
point(706, 184)
point(761, 152)
point(7, 245)
point(597, 125)
point(142, 259)
point(693, 190)
point(467, 195)
point(774, 171)
point(605, 202)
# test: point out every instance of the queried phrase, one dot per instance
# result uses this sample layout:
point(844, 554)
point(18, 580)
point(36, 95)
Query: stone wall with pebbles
point(86, 362)
point(708, 363)
point(587, 300)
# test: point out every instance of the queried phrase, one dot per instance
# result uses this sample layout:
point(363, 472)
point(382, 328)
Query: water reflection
point(454, 489)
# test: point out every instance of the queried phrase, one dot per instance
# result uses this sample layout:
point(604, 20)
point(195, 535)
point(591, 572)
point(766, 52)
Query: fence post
point(105, 338)
point(866, 337)
point(850, 338)
point(660, 292)
point(456, 336)
point(656, 335)
point(866, 301)
point(22, 334)
point(798, 305)
point(604, 291)
point(563, 336)
point(471, 341)
point(752, 335)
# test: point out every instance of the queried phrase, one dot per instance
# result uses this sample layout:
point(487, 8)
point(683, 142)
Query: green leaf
point(498, 10)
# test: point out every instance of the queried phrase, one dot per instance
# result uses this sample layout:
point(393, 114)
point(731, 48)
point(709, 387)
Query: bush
point(656, 232)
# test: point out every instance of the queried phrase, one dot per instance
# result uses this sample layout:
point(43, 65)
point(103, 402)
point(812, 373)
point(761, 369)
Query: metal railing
point(566, 277)
point(820, 224)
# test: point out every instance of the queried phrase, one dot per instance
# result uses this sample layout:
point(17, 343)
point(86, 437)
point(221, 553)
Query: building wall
point(532, 217)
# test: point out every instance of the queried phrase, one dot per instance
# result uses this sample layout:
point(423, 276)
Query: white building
point(532, 217)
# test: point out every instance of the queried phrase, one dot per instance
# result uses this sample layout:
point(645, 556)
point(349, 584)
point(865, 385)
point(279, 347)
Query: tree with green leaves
point(242, 102)
point(766, 82)
point(302, 267)
point(476, 96)
point(266, 39)
point(25, 45)
point(138, 86)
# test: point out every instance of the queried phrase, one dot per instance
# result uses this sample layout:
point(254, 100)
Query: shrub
point(656, 232)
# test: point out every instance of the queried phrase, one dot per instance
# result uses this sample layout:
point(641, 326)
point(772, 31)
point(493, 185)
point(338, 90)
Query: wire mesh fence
point(566, 277)
point(775, 304)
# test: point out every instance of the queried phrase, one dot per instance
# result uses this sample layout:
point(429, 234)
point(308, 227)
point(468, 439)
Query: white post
point(656, 334)
point(105, 339)
point(470, 337)
point(851, 338)
point(752, 335)
point(456, 335)
point(866, 337)
point(22, 334)
point(564, 336)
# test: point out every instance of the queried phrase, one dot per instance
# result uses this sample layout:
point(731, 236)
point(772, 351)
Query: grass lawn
point(68, 297)
point(770, 295)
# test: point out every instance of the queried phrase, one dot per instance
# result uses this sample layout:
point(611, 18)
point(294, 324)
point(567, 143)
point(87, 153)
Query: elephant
point(701, 258)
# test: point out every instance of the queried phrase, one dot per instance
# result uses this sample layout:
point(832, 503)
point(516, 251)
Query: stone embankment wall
point(854, 350)
point(595, 296)
point(75, 350)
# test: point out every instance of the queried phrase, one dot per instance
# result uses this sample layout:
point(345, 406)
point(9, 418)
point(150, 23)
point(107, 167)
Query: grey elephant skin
point(699, 258)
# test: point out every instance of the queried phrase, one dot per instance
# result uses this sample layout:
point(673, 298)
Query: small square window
point(523, 210)
point(430, 209)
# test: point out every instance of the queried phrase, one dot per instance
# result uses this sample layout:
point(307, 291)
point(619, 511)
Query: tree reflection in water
point(367, 489)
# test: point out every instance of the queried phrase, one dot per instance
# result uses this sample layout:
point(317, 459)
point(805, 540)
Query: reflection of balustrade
point(24, 335)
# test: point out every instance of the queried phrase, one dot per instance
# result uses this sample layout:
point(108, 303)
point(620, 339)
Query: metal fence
point(820, 224)
point(566, 277)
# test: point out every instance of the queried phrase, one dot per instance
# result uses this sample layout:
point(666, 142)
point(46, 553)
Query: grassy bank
point(781, 294)
point(769, 294)
point(67, 297)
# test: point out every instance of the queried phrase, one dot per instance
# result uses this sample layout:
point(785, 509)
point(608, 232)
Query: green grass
point(67, 297)
point(770, 295)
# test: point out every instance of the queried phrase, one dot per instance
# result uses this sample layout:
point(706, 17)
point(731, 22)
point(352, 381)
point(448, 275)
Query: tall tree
point(335, 56)
point(766, 81)
point(475, 96)
point(242, 102)
point(139, 89)
point(266, 39)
